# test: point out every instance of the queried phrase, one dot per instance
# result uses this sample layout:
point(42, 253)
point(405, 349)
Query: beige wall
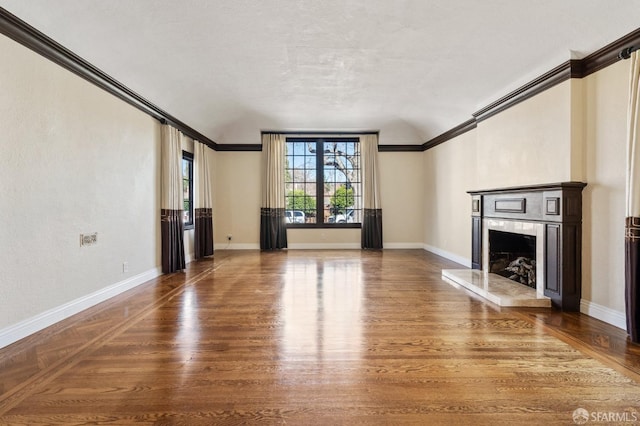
point(236, 199)
point(573, 131)
point(323, 238)
point(450, 171)
point(605, 118)
point(401, 191)
point(73, 159)
point(578, 148)
point(237, 204)
point(528, 143)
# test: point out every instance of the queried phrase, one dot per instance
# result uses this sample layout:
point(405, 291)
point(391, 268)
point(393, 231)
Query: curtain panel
point(372, 209)
point(632, 220)
point(273, 230)
point(203, 210)
point(171, 225)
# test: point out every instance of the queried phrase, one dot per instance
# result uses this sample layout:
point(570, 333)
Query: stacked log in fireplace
point(513, 255)
point(522, 269)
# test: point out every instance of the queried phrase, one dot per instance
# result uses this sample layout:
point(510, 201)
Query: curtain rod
point(626, 53)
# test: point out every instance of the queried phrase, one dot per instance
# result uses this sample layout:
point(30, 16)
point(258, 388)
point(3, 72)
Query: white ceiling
point(412, 69)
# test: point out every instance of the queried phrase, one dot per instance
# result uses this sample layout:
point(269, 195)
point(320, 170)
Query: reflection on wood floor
point(317, 337)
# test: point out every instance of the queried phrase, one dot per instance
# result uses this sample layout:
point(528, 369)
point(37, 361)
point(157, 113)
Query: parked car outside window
point(294, 216)
point(347, 217)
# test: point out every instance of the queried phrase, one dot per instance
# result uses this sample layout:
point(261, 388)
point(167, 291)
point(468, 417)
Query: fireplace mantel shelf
point(540, 187)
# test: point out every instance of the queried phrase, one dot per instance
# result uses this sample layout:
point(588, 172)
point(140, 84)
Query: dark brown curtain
point(171, 225)
point(203, 212)
point(632, 276)
point(172, 230)
point(372, 229)
point(632, 213)
point(203, 235)
point(273, 229)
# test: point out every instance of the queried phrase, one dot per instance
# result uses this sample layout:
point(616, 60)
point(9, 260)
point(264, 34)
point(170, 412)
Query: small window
point(187, 189)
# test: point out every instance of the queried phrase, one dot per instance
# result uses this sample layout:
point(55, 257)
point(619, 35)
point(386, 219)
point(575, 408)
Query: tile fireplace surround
point(553, 214)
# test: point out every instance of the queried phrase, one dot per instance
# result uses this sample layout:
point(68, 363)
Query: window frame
point(320, 140)
point(186, 155)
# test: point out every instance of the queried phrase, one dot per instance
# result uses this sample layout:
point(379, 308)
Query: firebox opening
point(513, 256)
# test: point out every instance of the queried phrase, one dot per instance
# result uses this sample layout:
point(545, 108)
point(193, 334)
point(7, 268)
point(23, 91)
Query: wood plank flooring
point(318, 337)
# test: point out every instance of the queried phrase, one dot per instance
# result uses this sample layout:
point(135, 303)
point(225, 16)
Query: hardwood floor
point(318, 337)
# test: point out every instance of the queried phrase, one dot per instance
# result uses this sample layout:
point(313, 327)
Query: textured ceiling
point(412, 69)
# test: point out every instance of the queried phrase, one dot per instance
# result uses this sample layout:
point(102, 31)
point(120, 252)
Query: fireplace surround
point(553, 214)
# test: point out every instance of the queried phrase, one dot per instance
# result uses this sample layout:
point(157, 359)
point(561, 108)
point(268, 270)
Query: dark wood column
point(559, 208)
point(476, 232)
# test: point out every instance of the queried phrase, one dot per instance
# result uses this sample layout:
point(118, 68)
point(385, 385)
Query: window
point(187, 188)
point(323, 182)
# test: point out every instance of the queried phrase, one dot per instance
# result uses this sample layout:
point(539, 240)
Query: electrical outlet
point(88, 239)
point(125, 267)
point(229, 237)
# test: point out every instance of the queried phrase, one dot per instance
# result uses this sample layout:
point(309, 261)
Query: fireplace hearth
point(529, 235)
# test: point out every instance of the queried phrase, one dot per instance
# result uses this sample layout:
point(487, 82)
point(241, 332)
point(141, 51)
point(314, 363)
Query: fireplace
point(526, 236)
point(513, 256)
point(518, 239)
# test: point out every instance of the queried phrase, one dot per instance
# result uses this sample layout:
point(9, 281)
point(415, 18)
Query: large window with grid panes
point(323, 182)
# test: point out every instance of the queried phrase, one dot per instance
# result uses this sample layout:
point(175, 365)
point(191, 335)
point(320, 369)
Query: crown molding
point(574, 68)
point(238, 147)
point(563, 72)
point(450, 134)
point(25, 34)
point(608, 55)
point(400, 148)
point(336, 133)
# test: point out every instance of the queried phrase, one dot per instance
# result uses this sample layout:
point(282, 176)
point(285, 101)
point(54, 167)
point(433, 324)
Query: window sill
point(324, 225)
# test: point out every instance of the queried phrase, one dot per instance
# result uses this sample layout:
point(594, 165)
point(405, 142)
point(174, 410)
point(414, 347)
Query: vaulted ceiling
point(412, 69)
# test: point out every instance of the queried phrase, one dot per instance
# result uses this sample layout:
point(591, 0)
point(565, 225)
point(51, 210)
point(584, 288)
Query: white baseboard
point(608, 315)
point(319, 246)
point(399, 246)
point(448, 255)
point(229, 246)
point(324, 246)
point(24, 328)
point(350, 246)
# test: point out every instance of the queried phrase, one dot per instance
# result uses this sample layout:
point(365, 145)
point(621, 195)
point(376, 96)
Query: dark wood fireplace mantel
point(559, 207)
